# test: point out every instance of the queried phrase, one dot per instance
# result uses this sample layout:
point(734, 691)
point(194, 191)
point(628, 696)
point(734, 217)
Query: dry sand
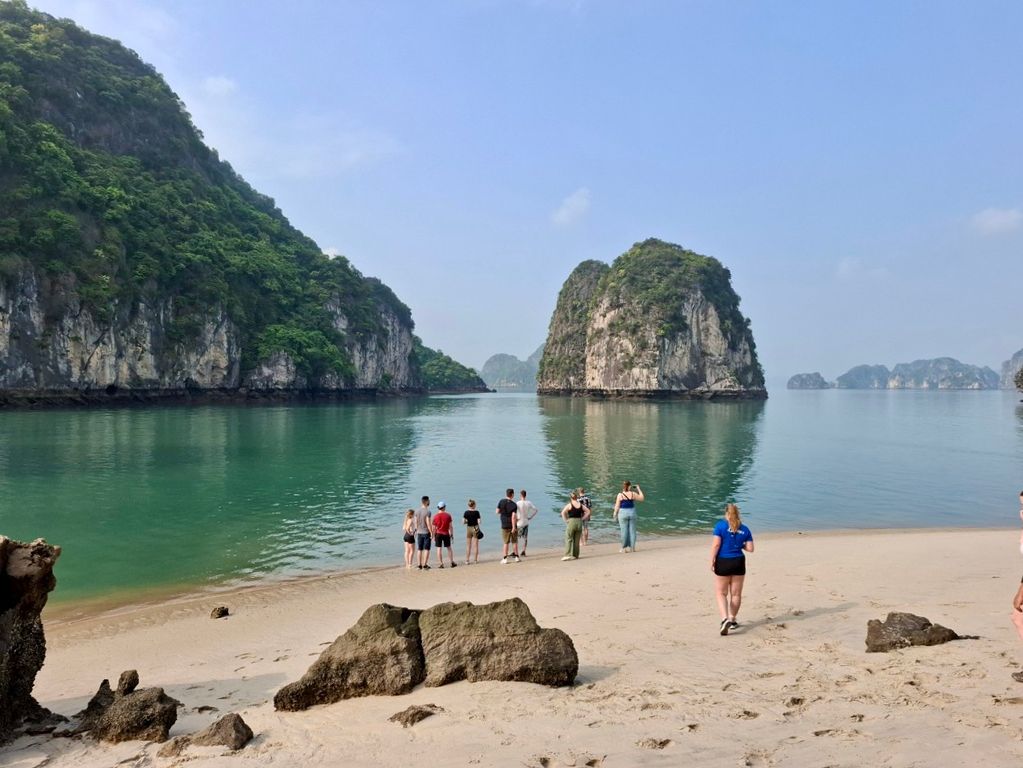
point(657, 685)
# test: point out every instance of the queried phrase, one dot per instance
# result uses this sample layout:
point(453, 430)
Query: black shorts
point(408, 538)
point(422, 541)
point(730, 566)
point(442, 539)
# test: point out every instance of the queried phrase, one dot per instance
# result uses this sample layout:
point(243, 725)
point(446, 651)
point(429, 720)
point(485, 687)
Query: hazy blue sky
point(857, 165)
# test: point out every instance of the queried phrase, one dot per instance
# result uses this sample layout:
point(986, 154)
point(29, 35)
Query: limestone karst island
point(660, 321)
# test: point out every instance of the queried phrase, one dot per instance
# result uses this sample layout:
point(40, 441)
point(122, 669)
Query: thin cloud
point(219, 85)
point(312, 146)
point(852, 269)
point(997, 221)
point(573, 208)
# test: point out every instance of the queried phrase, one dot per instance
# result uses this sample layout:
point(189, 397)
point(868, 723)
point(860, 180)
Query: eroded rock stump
point(26, 580)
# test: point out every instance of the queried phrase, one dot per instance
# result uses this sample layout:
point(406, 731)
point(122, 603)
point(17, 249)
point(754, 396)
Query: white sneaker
point(504, 561)
point(515, 558)
point(568, 557)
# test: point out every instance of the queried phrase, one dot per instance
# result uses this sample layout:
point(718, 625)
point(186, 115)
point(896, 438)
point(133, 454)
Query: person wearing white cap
point(442, 533)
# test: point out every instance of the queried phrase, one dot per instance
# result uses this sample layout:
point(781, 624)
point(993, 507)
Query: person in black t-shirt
point(471, 518)
point(507, 509)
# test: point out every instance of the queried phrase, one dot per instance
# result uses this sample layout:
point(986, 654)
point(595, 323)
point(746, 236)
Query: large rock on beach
point(144, 715)
point(901, 630)
point(380, 655)
point(390, 650)
point(229, 731)
point(127, 714)
point(498, 641)
point(26, 580)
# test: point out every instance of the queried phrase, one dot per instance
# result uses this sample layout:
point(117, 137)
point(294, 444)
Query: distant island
point(661, 321)
point(808, 381)
point(507, 372)
point(939, 373)
point(1011, 369)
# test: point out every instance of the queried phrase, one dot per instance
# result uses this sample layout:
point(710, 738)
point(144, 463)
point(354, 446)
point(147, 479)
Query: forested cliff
point(133, 257)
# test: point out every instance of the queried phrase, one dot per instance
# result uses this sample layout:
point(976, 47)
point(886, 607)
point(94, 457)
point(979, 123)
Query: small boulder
point(497, 641)
point(415, 714)
point(379, 655)
point(219, 612)
point(229, 731)
point(901, 630)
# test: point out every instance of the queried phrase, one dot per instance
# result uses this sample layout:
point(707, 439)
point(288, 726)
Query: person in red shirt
point(442, 534)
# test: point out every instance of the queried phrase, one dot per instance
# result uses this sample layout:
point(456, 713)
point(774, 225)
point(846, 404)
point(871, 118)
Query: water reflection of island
point(689, 458)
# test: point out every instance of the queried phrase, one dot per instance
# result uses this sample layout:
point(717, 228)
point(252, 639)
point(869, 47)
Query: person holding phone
point(625, 514)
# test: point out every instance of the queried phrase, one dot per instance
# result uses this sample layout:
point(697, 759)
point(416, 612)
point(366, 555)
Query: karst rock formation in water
point(661, 321)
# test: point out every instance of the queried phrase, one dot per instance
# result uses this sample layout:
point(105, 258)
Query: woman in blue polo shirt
point(731, 541)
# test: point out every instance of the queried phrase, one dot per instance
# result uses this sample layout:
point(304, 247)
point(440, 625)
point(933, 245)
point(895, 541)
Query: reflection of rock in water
point(690, 458)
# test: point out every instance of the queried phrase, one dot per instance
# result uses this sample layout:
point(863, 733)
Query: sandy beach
point(657, 685)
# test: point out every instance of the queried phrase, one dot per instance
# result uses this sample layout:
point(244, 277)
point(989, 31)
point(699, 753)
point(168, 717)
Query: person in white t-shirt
point(527, 511)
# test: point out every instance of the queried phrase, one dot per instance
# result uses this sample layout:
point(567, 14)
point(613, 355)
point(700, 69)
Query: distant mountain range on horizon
point(937, 373)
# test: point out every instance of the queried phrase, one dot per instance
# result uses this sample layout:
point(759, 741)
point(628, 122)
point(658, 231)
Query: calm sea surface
point(178, 498)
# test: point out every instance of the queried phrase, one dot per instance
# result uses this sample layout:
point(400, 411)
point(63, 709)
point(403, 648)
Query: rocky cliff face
point(563, 364)
point(808, 381)
point(661, 321)
point(51, 343)
point(1010, 368)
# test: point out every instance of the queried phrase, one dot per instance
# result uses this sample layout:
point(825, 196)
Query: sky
point(858, 166)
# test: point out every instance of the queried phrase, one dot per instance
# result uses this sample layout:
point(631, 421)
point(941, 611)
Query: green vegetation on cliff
point(107, 190)
point(659, 276)
point(442, 373)
point(564, 352)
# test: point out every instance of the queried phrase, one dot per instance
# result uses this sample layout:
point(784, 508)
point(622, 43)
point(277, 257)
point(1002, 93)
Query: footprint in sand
point(653, 743)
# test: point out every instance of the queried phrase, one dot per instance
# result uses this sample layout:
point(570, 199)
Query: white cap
point(441, 505)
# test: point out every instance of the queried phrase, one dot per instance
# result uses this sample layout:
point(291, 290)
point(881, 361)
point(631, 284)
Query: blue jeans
point(627, 523)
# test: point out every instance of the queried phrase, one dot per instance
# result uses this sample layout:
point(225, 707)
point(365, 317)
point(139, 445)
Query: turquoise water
point(174, 498)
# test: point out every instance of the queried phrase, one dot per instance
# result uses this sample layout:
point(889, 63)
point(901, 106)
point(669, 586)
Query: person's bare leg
point(1017, 621)
point(721, 584)
point(736, 596)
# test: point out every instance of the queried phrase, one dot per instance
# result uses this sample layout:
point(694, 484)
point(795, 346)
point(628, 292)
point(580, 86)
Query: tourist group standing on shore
point(424, 530)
